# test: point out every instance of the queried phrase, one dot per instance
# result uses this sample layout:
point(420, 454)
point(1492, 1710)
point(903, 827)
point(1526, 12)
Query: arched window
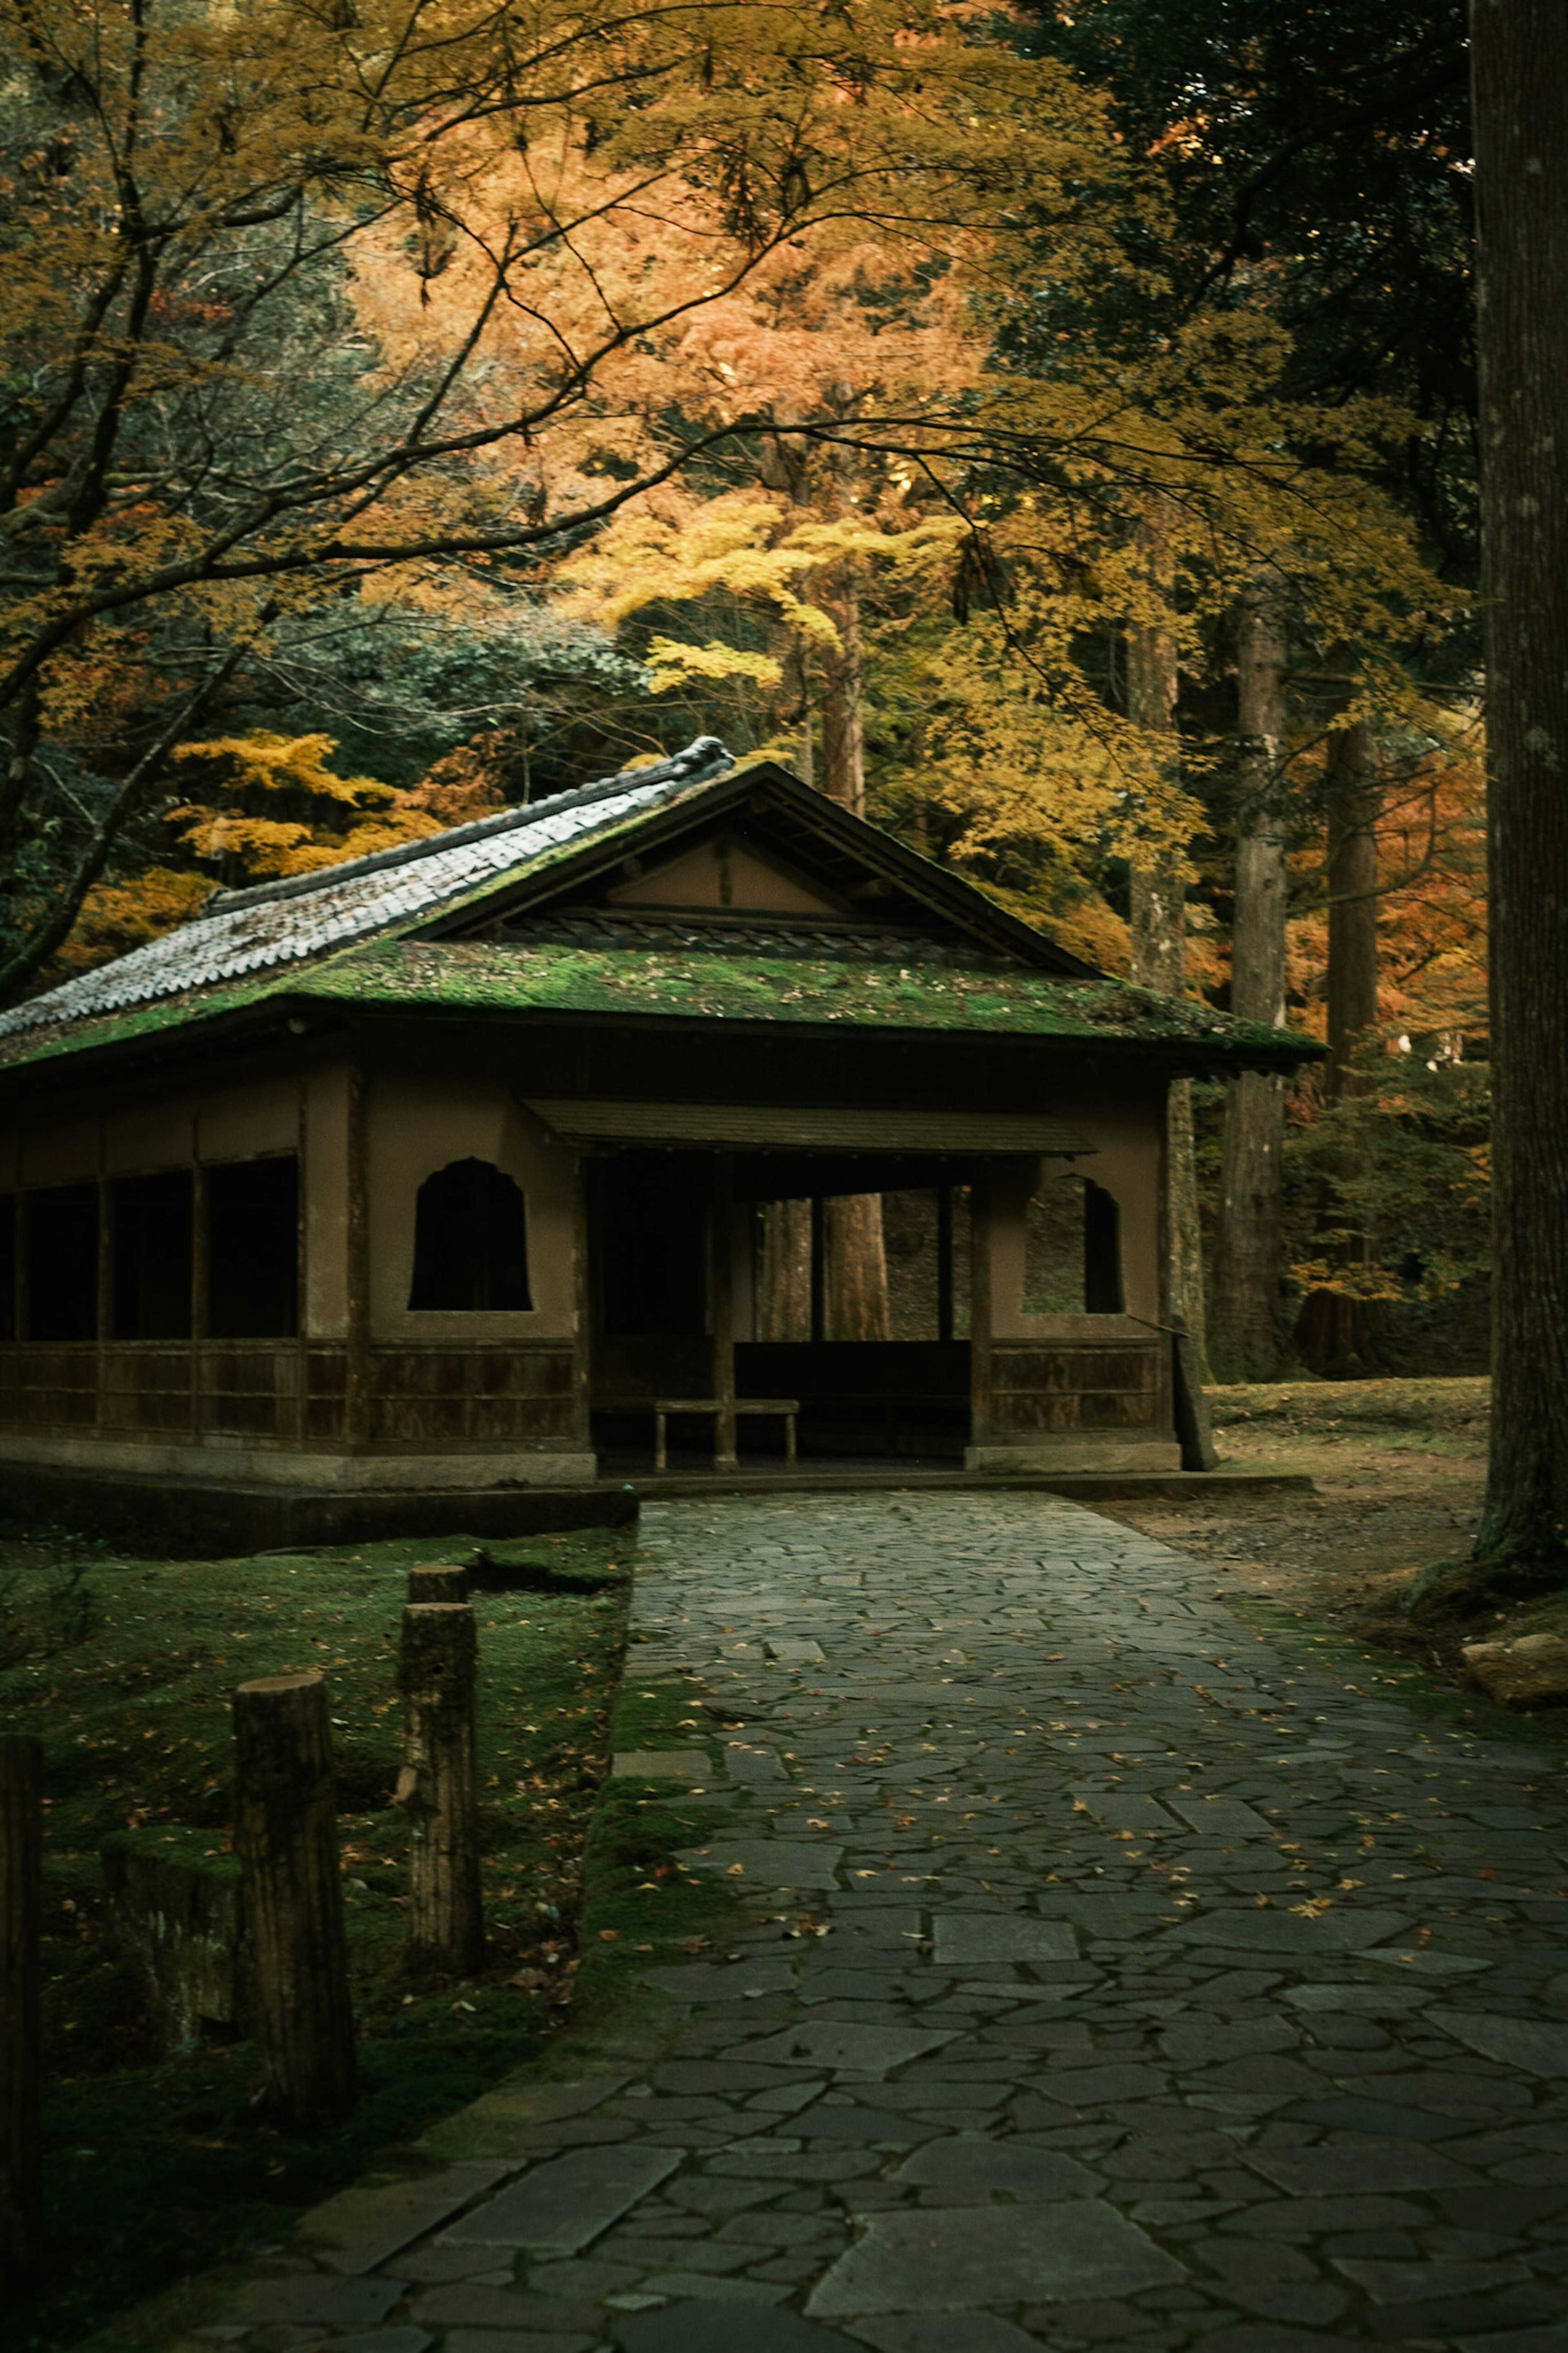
point(470, 1240)
point(1073, 1251)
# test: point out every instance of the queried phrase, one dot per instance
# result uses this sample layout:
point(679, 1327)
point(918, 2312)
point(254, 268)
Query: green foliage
point(47, 1605)
point(1399, 1173)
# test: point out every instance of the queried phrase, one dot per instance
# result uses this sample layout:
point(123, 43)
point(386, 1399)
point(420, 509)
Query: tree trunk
point(1336, 1332)
point(286, 1836)
point(1244, 1332)
point(721, 1303)
point(1159, 961)
point(21, 2026)
point(1354, 803)
point(439, 1786)
point(838, 669)
point(856, 1303)
point(1520, 64)
point(783, 1272)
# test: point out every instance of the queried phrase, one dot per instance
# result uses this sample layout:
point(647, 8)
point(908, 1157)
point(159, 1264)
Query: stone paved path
point(1173, 1994)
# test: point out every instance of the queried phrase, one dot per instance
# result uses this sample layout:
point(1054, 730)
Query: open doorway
point(847, 1283)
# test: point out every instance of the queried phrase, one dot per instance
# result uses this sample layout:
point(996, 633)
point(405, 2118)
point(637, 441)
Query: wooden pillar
point(356, 1411)
point(945, 1258)
point(286, 1836)
point(722, 1295)
point(439, 1786)
point(21, 2031)
point(980, 1405)
point(818, 1267)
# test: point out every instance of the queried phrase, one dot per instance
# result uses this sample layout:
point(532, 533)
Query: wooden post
point(980, 1412)
point(1189, 1405)
point(286, 1836)
point(944, 1258)
point(21, 2064)
point(439, 1784)
point(721, 1293)
point(438, 1584)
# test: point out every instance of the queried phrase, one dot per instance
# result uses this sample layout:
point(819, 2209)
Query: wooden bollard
point(438, 1584)
point(439, 1784)
point(285, 1835)
point(21, 2058)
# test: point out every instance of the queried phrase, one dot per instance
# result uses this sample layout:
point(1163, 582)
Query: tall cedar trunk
point(1336, 1332)
point(786, 467)
point(855, 1278)
point(21, 2025)
point(439, 1784)
point(858, 1305)
point(286, 1836)
point(838, 669)
point(1159, 961)
point(1519, 65)
point(721, 1304)
point(1243, 1333)
point(784, 1271)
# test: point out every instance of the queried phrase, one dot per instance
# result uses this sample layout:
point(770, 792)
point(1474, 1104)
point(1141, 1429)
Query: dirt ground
point(1397, 1469)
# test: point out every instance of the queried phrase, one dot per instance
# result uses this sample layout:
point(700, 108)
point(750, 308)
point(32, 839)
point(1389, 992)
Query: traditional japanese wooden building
point(440, 1172)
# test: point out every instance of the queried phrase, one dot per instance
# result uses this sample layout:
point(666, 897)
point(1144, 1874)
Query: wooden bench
point(664, 1407)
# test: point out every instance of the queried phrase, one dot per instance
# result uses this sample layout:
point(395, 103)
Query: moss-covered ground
point(155, 2162)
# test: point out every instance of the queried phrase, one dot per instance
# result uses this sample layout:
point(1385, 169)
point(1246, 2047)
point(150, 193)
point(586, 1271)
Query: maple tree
point(294, 289)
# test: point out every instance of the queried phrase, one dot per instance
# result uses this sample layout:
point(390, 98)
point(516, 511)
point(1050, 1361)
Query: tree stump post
point(440, 1583)
point(21, 2061)
point(285, 1835)
point(439, 1784)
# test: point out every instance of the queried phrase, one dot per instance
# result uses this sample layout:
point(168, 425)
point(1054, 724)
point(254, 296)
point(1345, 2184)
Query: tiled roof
point(308, 915)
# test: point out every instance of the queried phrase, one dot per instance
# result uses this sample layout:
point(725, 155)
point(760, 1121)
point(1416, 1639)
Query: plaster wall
point(1127, 1140)
point(143, 1137)
point(723, 874)
point(229, 1124)
point(244, 1123)
point(62, 1153)
point(414, 1129)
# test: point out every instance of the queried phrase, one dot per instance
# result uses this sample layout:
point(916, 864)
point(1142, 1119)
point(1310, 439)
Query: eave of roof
point(483, 979)
point(481, 976)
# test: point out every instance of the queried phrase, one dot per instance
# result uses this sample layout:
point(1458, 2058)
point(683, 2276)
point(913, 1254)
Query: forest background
point(1052, 430)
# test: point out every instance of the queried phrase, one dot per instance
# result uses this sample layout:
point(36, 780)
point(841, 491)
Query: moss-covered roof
point(484, 977)
point(489, 979)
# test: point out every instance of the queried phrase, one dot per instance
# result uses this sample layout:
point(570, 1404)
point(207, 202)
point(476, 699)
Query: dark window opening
point(62, 1263)
point(150, 1241)
point(1102, 1250)
point(470, 1241)
point(253, 1249)
point(653, 1231)
point(7, 1266)
point(1072, 1262)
